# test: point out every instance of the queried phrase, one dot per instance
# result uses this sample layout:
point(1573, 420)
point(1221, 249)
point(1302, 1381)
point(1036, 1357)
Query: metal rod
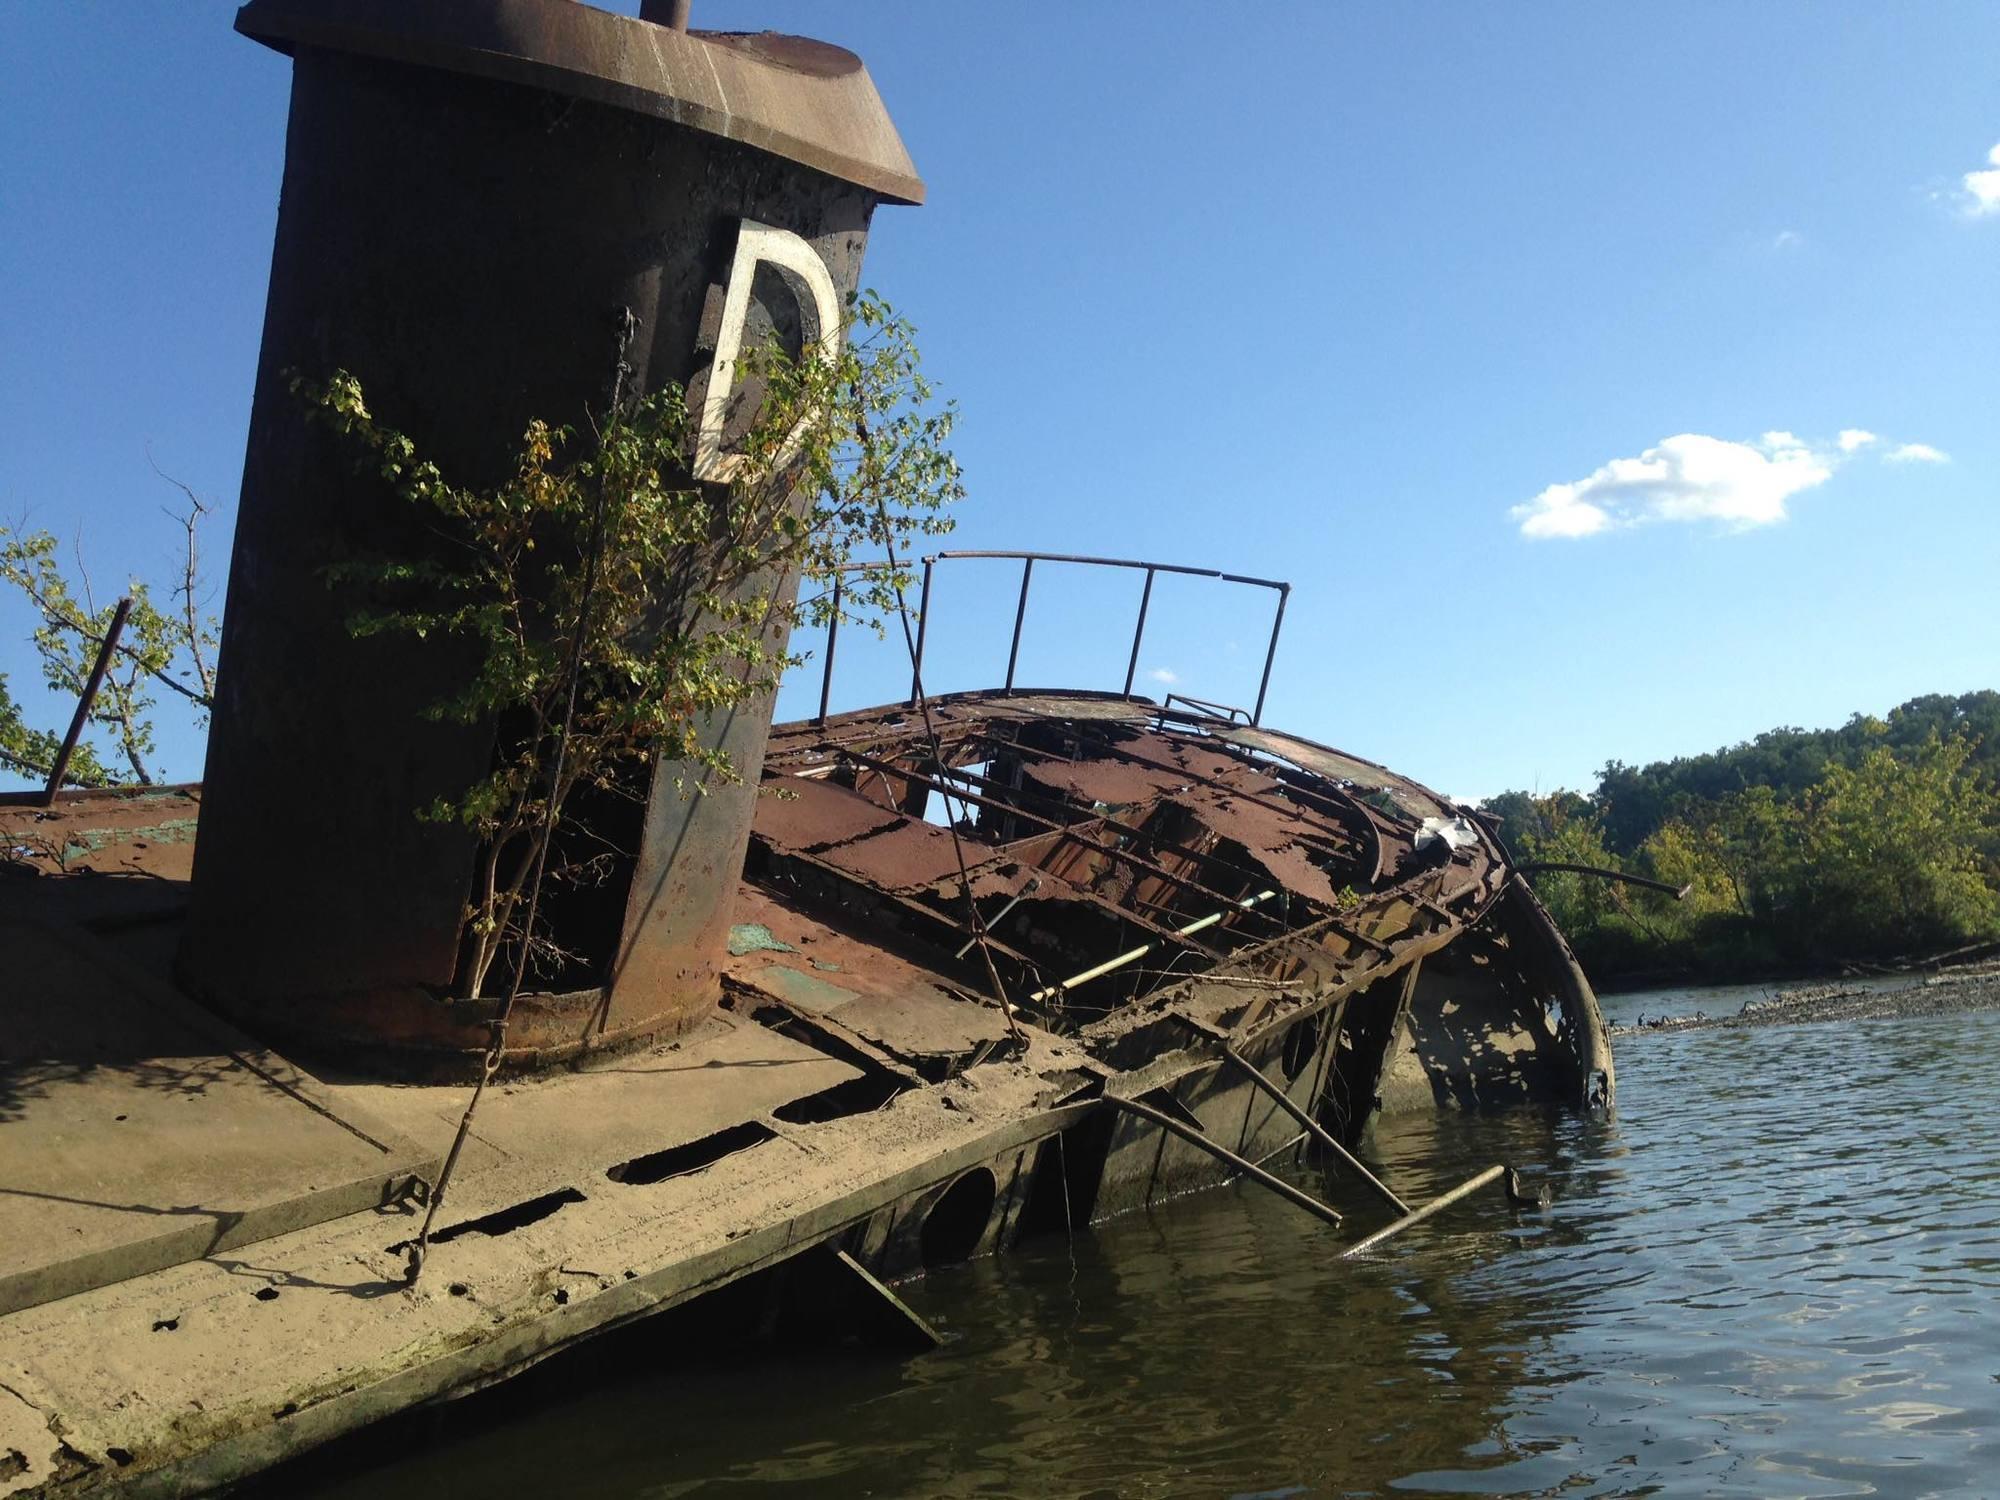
point(1271, 655)
point(1678, 892)
point(832, 636)
point(1114, 562)
point(1313, 1127)
point(1243, 1165)
point(1020, 614)
point(1139, 631)
point(1110, 965)
point(82, 717)
point(1464, 1189)
point(1034, 884)
point(923, 629)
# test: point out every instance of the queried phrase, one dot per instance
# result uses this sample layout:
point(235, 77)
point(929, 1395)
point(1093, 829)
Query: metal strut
point(1244, 1165)
point(1312, 1127)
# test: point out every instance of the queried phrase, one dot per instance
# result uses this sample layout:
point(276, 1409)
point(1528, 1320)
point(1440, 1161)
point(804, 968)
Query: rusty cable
point(496, 1043)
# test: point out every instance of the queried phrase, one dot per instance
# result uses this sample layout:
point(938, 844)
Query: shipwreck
point(952, 971)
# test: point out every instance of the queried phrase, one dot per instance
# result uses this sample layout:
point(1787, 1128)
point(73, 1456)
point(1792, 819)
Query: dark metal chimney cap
point(809, 102)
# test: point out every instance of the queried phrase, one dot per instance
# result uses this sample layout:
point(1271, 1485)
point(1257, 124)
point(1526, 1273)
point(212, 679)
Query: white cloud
point(1852, 438)
point(1982, 188)
point(1917, 453)
point(1161, 674)
point(1688, 477)
point(1787, 239)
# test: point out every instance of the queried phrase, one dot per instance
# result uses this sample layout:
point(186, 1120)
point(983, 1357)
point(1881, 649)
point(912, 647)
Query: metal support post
point(1020, 614)
point(82, 717)
point(832, 635)
point(1243, 1165)
point(1139, 631)
point(1271, 655)
point(923, 629)
point(1313, 1128)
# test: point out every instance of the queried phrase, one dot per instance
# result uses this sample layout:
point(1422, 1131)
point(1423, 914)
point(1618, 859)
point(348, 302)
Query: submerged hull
point(1390, 971)
point(1171, 903)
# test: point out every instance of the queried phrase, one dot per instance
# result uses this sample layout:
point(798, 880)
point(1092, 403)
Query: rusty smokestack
point(473, 195)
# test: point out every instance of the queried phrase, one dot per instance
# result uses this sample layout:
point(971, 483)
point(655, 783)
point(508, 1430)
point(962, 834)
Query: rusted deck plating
point(1122, 857)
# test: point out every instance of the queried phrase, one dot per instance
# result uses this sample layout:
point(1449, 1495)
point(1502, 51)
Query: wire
point(496, 1044)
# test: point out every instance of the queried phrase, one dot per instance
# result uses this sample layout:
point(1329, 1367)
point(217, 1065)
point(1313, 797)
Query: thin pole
point(1244, 1165)
point(923, 629)
point(1313, 1127)
point(1034, 884)
point(1271, 655)
point(1134, 955)
point(832, 635)
point(1139, 631)
point(1020, 614)
point(1464, 1189)
point(82, 717)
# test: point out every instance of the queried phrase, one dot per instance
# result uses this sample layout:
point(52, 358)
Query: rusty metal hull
point(859, 1088)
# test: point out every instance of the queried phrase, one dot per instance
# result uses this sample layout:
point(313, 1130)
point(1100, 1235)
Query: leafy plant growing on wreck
point(170, 649)
point(618, 609)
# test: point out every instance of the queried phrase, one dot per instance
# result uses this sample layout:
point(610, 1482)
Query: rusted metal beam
point(923, 630)
point(1020, 617)
point(1114, 562)
point(82, 716)
point(1201, 1141)
point(1312, 1127)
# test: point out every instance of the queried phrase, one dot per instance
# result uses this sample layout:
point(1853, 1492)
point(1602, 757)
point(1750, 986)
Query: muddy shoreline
point(1949, 991)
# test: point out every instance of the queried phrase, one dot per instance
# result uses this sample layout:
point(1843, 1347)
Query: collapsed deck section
point(1090, 860)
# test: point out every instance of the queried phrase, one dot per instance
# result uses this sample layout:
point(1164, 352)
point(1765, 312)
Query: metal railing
point(1028, 560)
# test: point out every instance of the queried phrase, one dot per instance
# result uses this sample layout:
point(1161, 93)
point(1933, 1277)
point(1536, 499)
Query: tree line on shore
point(1799, 850)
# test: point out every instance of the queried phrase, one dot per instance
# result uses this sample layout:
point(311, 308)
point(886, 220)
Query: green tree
point(1898, 850)
point(170, 649)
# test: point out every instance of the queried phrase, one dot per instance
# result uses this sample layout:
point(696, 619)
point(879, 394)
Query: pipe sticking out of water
point(1444, 1200)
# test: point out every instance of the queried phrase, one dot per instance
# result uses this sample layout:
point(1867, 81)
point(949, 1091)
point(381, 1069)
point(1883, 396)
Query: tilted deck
point(859, 1085)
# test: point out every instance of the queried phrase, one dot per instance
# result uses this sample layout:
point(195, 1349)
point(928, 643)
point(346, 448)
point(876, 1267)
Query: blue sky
point(1522, 340)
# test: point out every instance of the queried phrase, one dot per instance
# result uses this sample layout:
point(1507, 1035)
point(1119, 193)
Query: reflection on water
point(1773, 1273)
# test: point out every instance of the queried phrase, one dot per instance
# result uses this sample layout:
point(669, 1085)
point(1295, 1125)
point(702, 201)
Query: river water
point(1775, 1271)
